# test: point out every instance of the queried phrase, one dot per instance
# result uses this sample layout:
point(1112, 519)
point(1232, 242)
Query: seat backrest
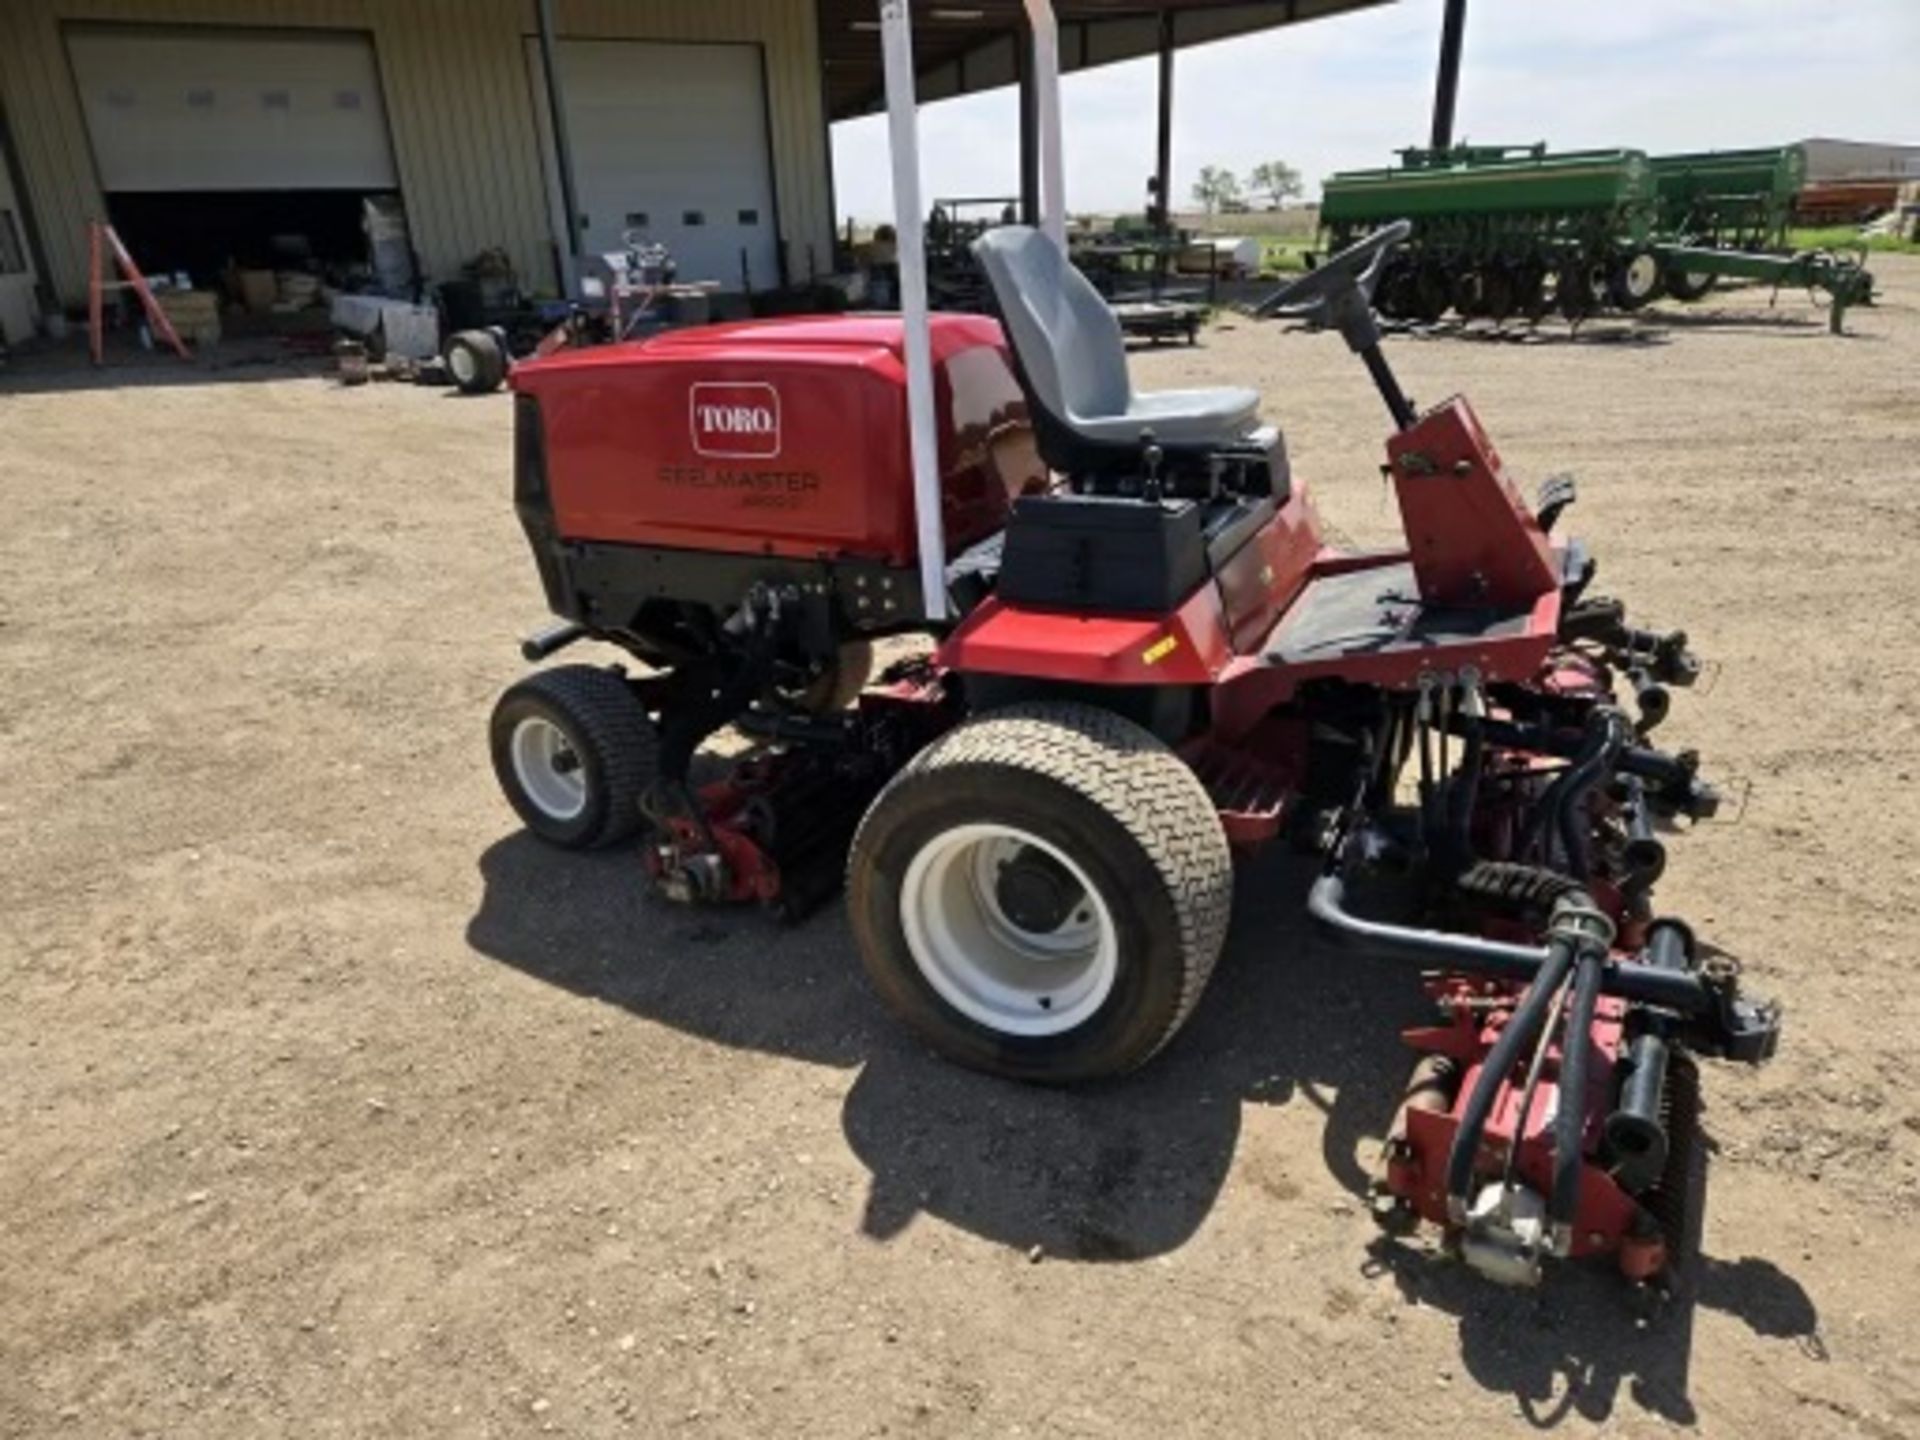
point(1067, 340)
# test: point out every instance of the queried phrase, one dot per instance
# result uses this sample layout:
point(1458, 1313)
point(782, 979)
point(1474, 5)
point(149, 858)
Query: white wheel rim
point(548, 768)
point(461, 363)
point(1014, 981)
point(1643, 273)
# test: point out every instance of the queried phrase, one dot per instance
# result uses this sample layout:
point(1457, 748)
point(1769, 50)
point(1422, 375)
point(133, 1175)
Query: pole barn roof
point(963, 46)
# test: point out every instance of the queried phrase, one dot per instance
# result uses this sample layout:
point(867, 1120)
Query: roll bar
point(903, 138)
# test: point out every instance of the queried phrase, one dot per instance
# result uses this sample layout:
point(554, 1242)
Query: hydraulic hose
point(1680, 990)
point(1612, 730)
point(1673, 775)
point(1543, 822)
point(1519, 1032)
point(1570, 1120)
point(1464, 794)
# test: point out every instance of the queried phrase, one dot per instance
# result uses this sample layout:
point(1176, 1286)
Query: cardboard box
point(258, 291)
point(194, 313)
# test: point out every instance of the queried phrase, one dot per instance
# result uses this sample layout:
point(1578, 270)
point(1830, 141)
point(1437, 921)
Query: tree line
point(1218, 188)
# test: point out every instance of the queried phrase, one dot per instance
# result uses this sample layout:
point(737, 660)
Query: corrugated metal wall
point(458, 100)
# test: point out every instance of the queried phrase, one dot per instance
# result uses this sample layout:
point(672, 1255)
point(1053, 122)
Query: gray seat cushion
point(1179, 417)
point(1075, 359)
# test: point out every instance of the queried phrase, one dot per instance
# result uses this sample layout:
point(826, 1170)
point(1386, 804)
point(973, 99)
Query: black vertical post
point(1446, 85)
point(1029, 127)
point(1163, 154)
point(562, 151)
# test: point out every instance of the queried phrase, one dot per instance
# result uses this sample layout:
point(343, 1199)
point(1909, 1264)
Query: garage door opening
point(208, 232)
point(222, 150)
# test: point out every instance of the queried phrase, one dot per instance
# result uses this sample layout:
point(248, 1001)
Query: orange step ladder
point(102, 240)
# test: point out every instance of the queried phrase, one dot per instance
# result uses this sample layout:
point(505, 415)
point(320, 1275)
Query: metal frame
point(562, 155)
point(903, 138)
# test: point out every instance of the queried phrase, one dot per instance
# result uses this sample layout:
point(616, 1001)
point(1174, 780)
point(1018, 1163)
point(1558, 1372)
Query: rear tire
point(574, 751)
point(476, 362)
point(1635, 280)
point(1688, 287)
point(1042, 893)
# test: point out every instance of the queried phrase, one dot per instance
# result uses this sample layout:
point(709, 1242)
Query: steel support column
point(1163, 151)
point(1446, 85)
point(1029, 126)
point(562, 155)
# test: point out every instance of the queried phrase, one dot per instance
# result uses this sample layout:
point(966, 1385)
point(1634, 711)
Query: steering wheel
point(1327, 293)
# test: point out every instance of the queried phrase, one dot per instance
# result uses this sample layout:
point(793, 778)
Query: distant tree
point(1276, 180)
point(1215, 188)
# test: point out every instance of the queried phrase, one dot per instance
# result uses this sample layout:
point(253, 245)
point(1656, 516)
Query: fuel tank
point(778, 437)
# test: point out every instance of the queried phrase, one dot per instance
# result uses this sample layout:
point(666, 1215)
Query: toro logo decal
point(735, 421)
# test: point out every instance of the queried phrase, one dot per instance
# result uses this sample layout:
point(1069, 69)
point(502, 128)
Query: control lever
point(1150, 457)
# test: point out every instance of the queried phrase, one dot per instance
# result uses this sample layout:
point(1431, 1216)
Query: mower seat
point(1072, 362)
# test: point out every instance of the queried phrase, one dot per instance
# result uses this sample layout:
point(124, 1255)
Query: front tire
point(1042, 893)
point(573, 751)
point(476, 362)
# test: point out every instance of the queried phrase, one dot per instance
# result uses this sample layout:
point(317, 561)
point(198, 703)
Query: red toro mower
point(1145, 661)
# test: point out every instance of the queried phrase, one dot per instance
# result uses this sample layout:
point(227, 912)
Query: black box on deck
point(1095, 552)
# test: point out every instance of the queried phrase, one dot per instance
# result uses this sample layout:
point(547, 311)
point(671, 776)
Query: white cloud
point(1334, 94)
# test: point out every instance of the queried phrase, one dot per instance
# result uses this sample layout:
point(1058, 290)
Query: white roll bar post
point(1046, 82)
point(903, 135)
point(909, 220)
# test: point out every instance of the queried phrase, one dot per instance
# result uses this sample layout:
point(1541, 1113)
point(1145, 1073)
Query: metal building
point(1829, 159)
point(113, 106)
point(204, 127)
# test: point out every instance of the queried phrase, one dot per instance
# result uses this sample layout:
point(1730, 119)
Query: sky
point(1335, 94)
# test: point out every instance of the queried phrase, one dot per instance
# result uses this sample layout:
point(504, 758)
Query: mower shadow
point(1120, 1171)
point(1570, 1347)
point(1123, 1170)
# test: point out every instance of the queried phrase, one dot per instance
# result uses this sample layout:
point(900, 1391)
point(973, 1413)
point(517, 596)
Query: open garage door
point(669, 140)
point(173, 110)
point(17, 310)
point(208, 143)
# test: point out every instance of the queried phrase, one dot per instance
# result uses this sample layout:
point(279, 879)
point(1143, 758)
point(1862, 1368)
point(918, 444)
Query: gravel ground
point(332, 1105)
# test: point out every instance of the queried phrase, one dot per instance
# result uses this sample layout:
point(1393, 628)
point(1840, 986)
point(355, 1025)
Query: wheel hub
point(548, 768)
point(1009, 930)
point(1036, 892)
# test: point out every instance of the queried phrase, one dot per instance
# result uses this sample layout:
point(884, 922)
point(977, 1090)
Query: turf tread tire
point(1109, 763)
point(613, 736)
point(488, 358)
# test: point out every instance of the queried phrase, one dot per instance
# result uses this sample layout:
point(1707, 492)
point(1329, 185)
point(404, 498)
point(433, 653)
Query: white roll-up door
point(669, 140)
point(180, 110)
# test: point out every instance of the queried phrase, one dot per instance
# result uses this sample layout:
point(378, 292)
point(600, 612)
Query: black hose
point(1664, 770)
point(1426, 774)
point(1543, 821)
point(1568, 819)
point(1519, 1032)
point(1464, 794)
point(1570, 1120)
